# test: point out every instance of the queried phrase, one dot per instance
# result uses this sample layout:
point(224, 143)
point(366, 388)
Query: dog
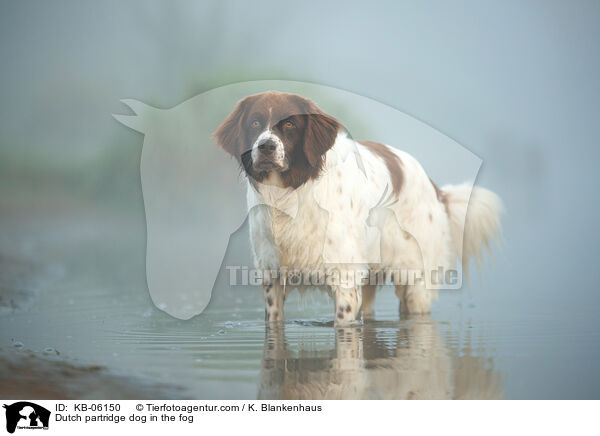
point(326, 203)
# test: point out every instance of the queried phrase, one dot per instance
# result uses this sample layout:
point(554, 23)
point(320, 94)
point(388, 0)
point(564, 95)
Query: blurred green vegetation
point(111, 176)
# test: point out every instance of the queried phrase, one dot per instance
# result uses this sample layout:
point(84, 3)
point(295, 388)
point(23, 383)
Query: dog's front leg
point(347, 303)
point(274, 294)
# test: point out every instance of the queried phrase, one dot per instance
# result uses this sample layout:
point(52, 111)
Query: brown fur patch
point(392, 161)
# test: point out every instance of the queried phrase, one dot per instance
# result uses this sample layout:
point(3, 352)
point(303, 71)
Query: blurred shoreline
point(30, 375)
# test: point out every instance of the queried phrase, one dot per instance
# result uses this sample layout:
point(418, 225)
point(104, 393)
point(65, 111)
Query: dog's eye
point(289, 124)
point(255, 124)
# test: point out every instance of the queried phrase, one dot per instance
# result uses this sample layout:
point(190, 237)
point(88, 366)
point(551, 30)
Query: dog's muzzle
point(268, 153)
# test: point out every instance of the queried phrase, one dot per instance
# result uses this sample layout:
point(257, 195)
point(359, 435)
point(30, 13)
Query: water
point(89, 305)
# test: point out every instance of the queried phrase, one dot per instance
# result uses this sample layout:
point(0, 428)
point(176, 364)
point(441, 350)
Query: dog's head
point(278, 133)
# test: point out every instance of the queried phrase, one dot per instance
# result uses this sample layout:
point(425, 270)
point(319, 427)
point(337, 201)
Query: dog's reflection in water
point(410, 360)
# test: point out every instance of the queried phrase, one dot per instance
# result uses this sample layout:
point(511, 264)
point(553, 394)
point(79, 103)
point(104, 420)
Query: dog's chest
point(300, 239)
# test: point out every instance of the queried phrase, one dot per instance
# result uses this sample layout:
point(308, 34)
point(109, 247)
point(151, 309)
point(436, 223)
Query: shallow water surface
point(231, 354)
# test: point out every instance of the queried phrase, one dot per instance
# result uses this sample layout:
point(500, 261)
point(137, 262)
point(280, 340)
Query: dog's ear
point(230, 134)
point(319, 135)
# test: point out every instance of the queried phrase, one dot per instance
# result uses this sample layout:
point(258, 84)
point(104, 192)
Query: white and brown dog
point(377, 212)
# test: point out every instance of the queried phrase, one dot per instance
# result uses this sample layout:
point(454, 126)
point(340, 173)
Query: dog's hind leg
point(368, 299)
point(415, 298)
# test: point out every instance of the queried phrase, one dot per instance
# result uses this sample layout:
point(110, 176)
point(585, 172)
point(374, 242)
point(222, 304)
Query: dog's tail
point(474, 220)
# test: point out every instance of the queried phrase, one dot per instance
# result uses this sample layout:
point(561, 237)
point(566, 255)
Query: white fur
point(338, 223)
point(481, 210)
point(279, 158)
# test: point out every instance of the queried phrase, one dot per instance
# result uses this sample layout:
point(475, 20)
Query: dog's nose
point(267, 145)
